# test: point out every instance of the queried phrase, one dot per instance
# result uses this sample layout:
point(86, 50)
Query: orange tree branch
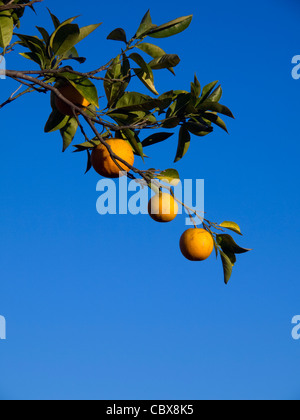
point(25, 78)
point(11, 5)
point(147, 176)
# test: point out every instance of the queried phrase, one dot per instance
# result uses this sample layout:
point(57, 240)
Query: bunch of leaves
point(226, 247)
point(68, 125)
point(195, 112)
point(51, 49)
point(9, 19)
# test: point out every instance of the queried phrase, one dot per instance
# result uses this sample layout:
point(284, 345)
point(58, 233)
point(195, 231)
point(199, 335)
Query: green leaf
point(178, 107)
point(138, 59)
point(89, 162)
point(207, 90)
point(53, 100)
point(125, 72)
point(165, 100)
point(232, 226)
point(32, 42)
point(198, 129)
point(6, 28)
point(91, 111)
point(145, 73)
point(120, 117)
point(227, 267)
point(134, 101)
point(183, 143)
point(35, 45)
point(33, 57)
point(171, 122)
point(180, 92)
point(150, 118)
point(170, 176)
point(91, 144)
point(196, 88)
point(172, 71)
point(216, 95)
point(215, 107)
point(68, 132)
point(112, 89)
point(145, 26)
point(118, 35)
point(66, 36)
point(171, 28)
point(216, 120)
point(127, 118)
point(228, 244)
point(58, 28)
point(86, 31)
point(84, 86)
point(117, 70)
point(86, 145)
point(44, 33)
point(165, 62)
point(156, 138)
point(215, 246)
point(153, 50)
point(55, 20)
point(232, 257)
point(72, 54)
point(146, 80)
point(134, 141)
point(55, 122)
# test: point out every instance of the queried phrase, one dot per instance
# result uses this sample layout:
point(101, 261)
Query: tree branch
point(24, 78)
point(71, 71)
point(13, 97)
point(10, 5)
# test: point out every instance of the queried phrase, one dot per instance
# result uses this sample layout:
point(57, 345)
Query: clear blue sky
point(106, 307)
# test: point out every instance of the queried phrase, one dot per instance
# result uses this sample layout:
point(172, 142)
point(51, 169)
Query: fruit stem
point(192, 219)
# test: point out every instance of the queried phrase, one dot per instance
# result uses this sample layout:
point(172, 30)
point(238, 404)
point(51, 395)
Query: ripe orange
point(162, 208)
point(196, 244)
point(103, 163)
point(72, 94)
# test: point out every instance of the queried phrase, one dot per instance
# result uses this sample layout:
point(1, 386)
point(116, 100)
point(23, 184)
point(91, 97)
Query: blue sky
point(106, 307)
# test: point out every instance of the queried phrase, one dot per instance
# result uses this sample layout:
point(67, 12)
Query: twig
point(13, 98)
point(10, 5)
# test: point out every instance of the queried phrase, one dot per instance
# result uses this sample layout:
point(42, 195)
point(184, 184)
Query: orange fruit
point(72, 94)
point(196, 244)
point(162, 208)
point(103, 163)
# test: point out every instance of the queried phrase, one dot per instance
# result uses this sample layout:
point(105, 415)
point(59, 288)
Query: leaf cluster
point(128, 113)
point(9, 19)
point(49, 50)
point(228, 249)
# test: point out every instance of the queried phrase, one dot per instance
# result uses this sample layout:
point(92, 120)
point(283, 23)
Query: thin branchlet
point(10, 5)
